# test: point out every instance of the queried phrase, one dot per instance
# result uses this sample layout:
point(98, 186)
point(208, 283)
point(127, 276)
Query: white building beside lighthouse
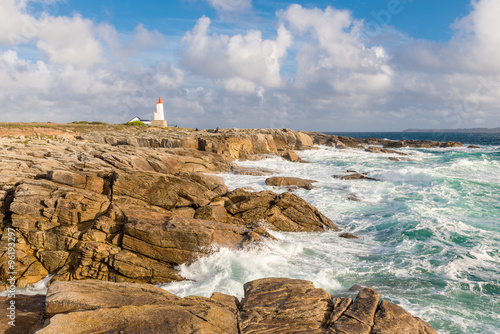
point(159, 116)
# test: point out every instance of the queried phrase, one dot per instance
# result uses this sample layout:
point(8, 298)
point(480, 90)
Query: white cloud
point(16, 26)
point(239, 61)
point(333, 63)
point(316, 73)
point(70, 41)
point(223, 6)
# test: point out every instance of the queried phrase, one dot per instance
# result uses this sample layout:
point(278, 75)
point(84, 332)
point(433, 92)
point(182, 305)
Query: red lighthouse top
point(159, 101)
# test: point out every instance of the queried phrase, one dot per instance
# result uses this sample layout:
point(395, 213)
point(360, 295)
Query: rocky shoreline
point(270, 305)
point(128, 205)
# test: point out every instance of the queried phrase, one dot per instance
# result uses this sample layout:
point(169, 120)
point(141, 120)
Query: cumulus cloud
point(317, 72)
point(70, 41)
point(239, 62)
point(333, 55)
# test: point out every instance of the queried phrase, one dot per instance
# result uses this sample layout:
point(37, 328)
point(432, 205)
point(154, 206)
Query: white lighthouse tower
point(159, 116)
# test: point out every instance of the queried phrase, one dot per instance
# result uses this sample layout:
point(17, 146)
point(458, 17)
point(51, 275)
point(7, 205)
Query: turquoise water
point(429, 233)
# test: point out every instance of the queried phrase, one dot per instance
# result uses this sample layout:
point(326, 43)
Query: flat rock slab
point(273, 305)
point(65, 297)
point(283, 181)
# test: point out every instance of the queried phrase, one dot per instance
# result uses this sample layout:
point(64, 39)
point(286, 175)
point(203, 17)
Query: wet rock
point(353, 198)
point(391, 318)
point(473, 146)
point(292, 156)
point(354, 176)
point(282, 181)
point(251, 171)
point(282, 212)
point(348, 236)
point(451, 144)
point(182, 240)
point(29, 314)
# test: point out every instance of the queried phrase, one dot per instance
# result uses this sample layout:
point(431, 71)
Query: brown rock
point(48, 204)
point(251, 171)
point(180, 240)
point(165, 191)
point(131, 267)
point(348, 236)
point(29, 314)
point(393, 319)
point(270, 305)
point(65, 297)
point(355, 176)
point(97, 307)
point(291, 156)
point(451, 144)
point(339, 307)
point(212, 212)
point(52, 260)
point(282, 181)
point(284, 212)
point(473, 146)
point(280, 305)
point(358, 318)
point(373, 149)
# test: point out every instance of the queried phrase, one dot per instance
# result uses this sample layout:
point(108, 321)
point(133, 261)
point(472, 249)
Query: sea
point(429, 231)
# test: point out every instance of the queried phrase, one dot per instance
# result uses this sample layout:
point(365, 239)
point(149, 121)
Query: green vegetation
point(93, 122)
point(135, 123)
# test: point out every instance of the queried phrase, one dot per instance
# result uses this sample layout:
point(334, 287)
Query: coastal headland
point(107, 209)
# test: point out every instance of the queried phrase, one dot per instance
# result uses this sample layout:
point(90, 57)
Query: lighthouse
point(159, 116)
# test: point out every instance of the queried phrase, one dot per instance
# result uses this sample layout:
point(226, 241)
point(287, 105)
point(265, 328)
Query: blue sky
point(367, 65)
point(421, 19)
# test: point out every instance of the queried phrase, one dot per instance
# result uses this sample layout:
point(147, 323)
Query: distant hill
point(474, 130)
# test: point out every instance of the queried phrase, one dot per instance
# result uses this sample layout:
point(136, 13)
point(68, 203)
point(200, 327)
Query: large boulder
point(282, 212)
point(166, 191)
point(280, 305)
point(283, 181)
point(181, 240)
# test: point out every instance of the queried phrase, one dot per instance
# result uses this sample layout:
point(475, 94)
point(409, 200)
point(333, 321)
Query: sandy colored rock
point(280, 305)
point(283, 181)
point(393, 319)
point(65, 297)
point(291, 156)
point(282, 212)
point(180, 240)
point(165, 191)
point(358, 318)
point(270, 305)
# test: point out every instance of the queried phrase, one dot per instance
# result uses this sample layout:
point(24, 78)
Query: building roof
point(137, 118)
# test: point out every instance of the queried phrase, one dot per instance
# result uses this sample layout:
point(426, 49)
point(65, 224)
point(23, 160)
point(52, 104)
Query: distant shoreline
point(473, 130)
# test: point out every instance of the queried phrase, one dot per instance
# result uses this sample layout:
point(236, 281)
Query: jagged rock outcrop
point(129, 205)
point(345, 142)
point(270, 305)
point(282, 212)
point(353, 175)
point(230, 143)
point(132, 210)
